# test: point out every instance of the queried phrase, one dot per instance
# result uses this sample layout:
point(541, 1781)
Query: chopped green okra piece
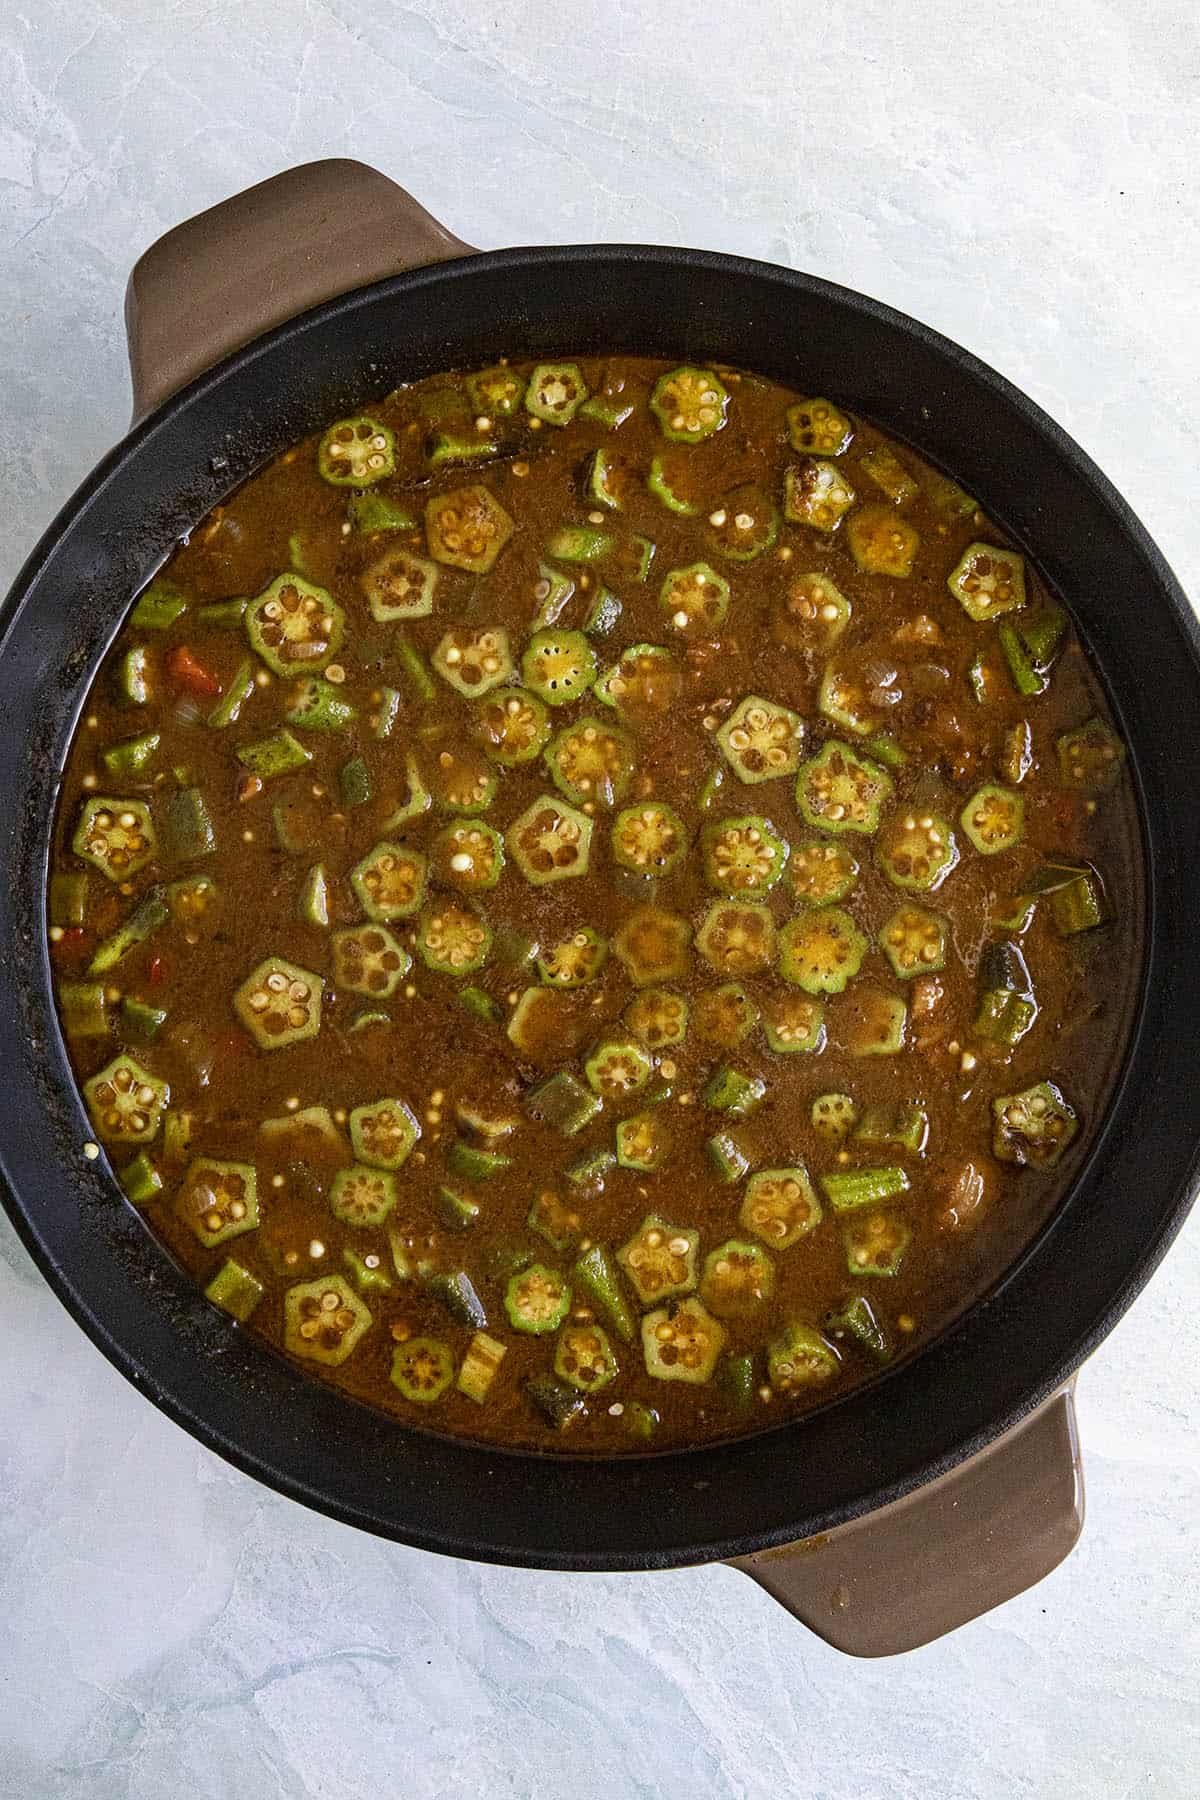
point(780, 1206)
point(354, 782)
point(537, 1300)
point(240, 689)
point(903, 1125)
point(642, 1142)
point(158, 607)
point(149, 916)
point(273, 756)
point(854, 1320)
point(141, 1021)
point(727, 1159)
point(474, 1163)
point(455, 1211)
point(480, 1366)
point(559, 1404)
point(375, 512)
point(555, 392)
point(68, 899)
point(141, 1180)
point(848, 1189)
point(735, 1378)
point(81, 1006)
point(132, 755)
point(988, 581)
point(738, 1280)
point(115, 836)
point(876, 1243)
point(235, 1290)
point(682, 1343)
point(422, 1369)
point(317, 705)
point(799, 1357)
point(456, 1292)
point(313, 904)
point(133, 677)
point(366, 1272)
point(731, 1092)
point(1034, 1127)
point(597, 1276)
point(563, 1103)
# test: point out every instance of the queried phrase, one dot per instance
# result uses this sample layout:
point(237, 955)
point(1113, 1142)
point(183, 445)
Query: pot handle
point(946, 1553)
point(256, 260)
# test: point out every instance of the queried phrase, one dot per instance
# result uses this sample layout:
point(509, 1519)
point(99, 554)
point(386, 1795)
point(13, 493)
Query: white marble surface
point(1019, 175)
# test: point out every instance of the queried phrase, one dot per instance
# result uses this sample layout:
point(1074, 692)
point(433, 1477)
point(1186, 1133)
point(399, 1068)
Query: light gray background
point(1020, 176)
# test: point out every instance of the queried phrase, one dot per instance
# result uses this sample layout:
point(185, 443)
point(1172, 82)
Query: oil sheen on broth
point(595, 905)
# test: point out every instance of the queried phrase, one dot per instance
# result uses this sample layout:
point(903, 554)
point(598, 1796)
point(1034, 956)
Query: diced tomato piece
point(187, 672)
point(157, 972)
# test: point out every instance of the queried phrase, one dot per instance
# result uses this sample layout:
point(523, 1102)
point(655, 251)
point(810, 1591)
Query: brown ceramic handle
point(254, 261)
point(948, 1552)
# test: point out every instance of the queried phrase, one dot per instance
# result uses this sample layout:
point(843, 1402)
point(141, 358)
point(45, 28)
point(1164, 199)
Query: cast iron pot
point(917, 1502)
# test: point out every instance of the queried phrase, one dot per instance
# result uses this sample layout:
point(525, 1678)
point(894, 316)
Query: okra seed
point(91, 1151)
point(316, 1249)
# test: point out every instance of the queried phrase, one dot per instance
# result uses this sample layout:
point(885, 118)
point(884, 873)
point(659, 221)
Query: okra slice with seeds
point(356, 453)
point(689, 403)
point(575, 960)
point(537, 1300)
point(724, 1016)
point(473, 660)
point(280, 1004)
point(737, 1281)
point(914, 941)
point(607, 480)
point(812, 615)
point(881, 543)
point(511, 725)
point(422, 1369)
point(780, 1206)
point(116, 837)
point(383, 1133)
point(744, 525)
point(559, 666)
point(1034, 1127)
point(742, 857)
point(872, 1022)
point(552, 591)
point(654, 945)
point(799, 1357)
point(367, 959)
point(822, 873)
point(695, 599)
point(1090, 758)
point(218, 1200)
point(737, 938)
point(793, 1026)
point(659, 1260)
point(126, 1101)
point(876, 1243)
point(645, 685)
point(822, 950)
point(649, 839)
point(838, 790)
point(994, 819)
point(591, 760)
point(362, 1196)
point(550, 841)
point(761, 741)
point(555, 392)
point(916, 850)
point(467, 529)
point(389, 882)
point(618, 1067)
point(584, 1357)
point(453, 939)
point(816, 493)
point(658, 1017)
point(988, 581)
point(324, 1320)
point(295, 626)
point(682, 1343)
point(846, 700)
point(469, 856)
point(834, 1117)
point(496, 392)
point(818, 426)
point(643, 1142)
point(462, 781)
point(400, 585)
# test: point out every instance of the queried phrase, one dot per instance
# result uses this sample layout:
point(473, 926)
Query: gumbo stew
point(597, 904)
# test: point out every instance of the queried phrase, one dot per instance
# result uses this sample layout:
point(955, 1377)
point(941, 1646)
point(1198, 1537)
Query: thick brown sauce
point(433, 1053)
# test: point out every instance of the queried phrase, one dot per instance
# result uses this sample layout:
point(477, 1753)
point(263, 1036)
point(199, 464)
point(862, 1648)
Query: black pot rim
point(676, 1507)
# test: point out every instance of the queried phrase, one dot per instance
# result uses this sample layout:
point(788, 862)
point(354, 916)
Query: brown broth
point(432, 1052)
